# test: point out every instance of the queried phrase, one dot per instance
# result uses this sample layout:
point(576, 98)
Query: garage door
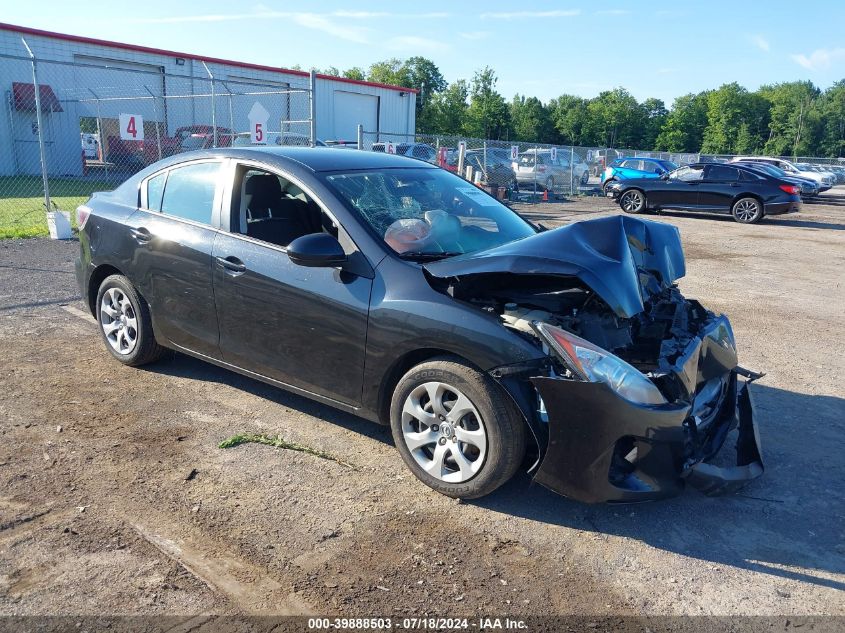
point(352, 108)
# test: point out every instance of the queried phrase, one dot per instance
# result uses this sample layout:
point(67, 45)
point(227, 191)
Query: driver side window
point(688, 174)
point(270, 208)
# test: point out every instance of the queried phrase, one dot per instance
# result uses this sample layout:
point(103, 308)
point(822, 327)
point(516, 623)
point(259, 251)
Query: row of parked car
point(811, 179)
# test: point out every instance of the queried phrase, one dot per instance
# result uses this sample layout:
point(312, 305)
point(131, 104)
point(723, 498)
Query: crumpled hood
point(623, 259)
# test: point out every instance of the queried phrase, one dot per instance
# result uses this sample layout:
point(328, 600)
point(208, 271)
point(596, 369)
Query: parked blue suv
point(635, 167)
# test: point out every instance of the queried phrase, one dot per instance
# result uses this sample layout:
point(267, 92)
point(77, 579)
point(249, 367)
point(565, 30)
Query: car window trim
point(214, 222)
point(228, 192)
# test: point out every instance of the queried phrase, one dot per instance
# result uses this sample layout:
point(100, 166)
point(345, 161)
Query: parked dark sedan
point(397, 291)
point(747, 194)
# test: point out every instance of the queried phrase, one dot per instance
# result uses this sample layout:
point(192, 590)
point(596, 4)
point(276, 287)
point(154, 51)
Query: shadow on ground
point(787, 524)
point(790, 518)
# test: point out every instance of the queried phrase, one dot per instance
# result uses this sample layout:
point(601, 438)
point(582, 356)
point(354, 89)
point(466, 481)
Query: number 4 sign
point(131, 127)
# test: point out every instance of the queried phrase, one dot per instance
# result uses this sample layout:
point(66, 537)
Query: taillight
point(541, 169)
point(82, 214)
point(793, 189)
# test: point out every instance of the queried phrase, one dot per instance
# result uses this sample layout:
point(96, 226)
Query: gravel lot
point(114, 497)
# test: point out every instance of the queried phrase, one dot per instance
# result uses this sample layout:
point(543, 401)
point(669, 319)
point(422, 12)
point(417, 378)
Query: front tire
point(606, 184)
point(550, 184)
point(585, 178)
point(633, 201)
point(455, 429)
point(125, 323)
point(747, 210)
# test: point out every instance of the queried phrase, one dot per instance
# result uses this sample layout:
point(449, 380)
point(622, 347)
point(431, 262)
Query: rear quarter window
point(155, 190)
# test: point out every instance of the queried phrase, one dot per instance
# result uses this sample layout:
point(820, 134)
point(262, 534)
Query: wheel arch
point(400, 367)
point(748, 194)
point(100, 273)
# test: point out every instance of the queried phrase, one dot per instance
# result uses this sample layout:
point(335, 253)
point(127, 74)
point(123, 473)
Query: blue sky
point(537, 48)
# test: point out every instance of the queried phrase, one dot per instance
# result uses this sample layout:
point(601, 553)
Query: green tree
point(832, 110)
point(391, 71)
point(615, 119)
point(450, 108)
point(655, 118)
point(569, 117)
point(728, 109)
point(795, 123)
point(424, 75)
point(488, 115)
point(531, 120)
point(355, 73)
point(683, 129)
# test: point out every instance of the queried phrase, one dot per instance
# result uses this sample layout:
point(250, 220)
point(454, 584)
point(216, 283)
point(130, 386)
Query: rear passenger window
point(155, 188)
point(189, 193)
point(723, 174)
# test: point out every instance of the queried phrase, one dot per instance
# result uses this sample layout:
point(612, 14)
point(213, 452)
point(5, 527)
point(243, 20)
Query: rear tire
point(585, 177)
point(633, 201)
point(125, 323)
point(465, 454)
point(747, 210)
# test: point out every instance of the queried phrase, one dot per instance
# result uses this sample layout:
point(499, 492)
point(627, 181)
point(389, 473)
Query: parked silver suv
point(537, 166)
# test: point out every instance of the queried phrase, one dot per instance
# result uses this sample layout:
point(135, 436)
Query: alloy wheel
point(119, 321)
point(444, 432)
point(631, 201)
point(745, 210)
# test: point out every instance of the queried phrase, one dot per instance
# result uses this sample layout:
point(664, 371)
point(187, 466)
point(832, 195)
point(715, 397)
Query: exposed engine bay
point(652, 340)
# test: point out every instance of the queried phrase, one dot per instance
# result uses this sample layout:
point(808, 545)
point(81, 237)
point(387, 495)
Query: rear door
point(174, 233)
point(718, 187)
point(305, 327)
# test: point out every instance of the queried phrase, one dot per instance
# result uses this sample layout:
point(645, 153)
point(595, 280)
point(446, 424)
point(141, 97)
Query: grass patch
point(22, 212)
point(280, 442)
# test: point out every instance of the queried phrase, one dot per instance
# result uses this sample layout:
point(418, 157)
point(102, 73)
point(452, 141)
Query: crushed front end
point(636, 387)
point(611, 441)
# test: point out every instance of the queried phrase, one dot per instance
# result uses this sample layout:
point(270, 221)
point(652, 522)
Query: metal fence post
point(213, 108)
point(360, 136)
point(313, 107)
point(47, 202)
point(100, 135)
point(571, 170)
point(155, 116)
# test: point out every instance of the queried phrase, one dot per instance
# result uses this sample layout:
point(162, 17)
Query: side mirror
point(664, 175)
point(317, 250)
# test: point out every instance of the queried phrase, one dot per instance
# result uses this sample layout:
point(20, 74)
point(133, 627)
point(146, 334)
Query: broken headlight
point(594, 364)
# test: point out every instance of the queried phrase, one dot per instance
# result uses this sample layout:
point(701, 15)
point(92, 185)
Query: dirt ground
point(115, 498)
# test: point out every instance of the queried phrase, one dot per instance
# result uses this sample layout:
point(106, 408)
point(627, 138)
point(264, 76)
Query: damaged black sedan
point(399, 292)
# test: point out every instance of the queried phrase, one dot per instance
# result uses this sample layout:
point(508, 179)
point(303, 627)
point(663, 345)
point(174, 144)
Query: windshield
point(428, 213)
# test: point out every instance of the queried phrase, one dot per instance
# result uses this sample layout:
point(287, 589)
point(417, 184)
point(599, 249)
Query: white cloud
point(475, 35)
point(820, 59)
point(614, 12)
point(342, 31)
point(416, 44)
point(761, 42)
point(511, 15)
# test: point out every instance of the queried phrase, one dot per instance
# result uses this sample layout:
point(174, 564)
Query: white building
point(83, 78)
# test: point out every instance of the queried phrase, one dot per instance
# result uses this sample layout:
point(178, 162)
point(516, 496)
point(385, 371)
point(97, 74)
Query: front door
point(679, 190)
point(306, 327)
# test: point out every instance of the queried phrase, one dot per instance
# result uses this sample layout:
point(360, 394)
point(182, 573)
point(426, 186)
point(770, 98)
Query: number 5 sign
point(258, 116)
point(131, 127)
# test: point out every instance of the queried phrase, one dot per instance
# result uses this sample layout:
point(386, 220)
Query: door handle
point(231, 264)
point(141, 235)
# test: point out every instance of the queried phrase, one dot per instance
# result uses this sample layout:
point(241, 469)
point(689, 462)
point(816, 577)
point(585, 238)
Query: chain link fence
point(76, 128)
point(530, 172)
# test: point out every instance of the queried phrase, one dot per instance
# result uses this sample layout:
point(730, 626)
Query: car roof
point(317, 159)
